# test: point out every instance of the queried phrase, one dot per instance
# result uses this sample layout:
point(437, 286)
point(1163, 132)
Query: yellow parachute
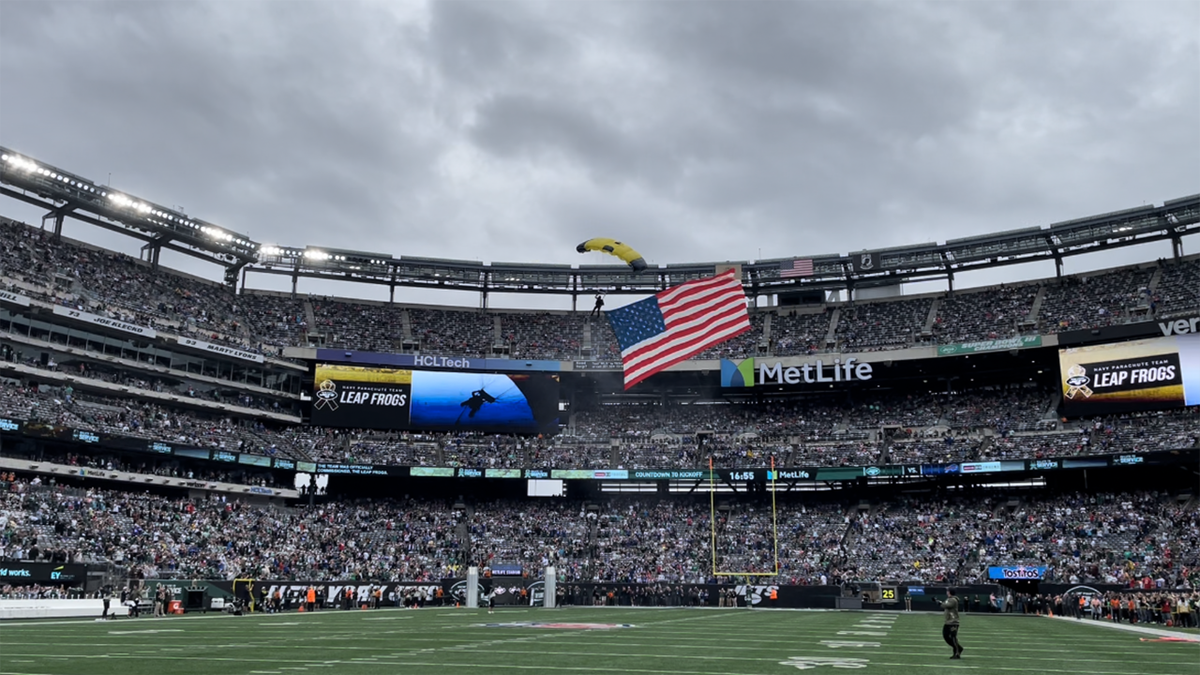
point(614, 247)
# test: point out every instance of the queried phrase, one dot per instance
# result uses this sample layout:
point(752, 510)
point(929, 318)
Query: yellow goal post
point(712, 519)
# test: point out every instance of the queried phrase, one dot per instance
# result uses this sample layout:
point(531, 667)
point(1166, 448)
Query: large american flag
point(801, 267)
point(679, 323)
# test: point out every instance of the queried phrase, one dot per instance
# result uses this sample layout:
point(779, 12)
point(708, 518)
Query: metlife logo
point(749, 373)
point(789, 474)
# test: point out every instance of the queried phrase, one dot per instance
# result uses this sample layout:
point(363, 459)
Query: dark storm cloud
point(277, 119)
point(698, 130)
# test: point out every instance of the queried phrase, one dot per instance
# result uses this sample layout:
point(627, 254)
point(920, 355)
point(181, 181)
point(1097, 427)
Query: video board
point(371, 397)
point(1129, 376)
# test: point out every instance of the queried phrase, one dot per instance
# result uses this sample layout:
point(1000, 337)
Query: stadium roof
point(64, 194)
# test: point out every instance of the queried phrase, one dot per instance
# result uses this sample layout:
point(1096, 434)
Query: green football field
point(650, 641)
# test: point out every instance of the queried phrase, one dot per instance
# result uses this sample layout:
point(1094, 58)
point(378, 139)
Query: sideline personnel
point(950, 630)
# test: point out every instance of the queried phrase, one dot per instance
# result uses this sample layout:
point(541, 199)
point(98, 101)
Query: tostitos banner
point(1130, 376)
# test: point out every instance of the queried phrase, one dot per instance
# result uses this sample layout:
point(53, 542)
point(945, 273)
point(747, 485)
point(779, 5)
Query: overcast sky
point(696, 131)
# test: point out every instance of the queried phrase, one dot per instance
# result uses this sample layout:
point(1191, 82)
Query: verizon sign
point(1180, 326)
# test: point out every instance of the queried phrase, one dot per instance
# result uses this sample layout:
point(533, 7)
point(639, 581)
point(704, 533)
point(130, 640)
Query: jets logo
point(1077, 382)
point(326, 396)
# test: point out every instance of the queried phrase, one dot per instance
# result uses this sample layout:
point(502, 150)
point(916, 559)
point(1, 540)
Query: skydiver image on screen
point(516, 403)
point(473, 404)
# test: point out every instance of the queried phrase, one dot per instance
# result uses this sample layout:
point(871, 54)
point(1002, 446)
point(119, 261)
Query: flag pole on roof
point(678, 323)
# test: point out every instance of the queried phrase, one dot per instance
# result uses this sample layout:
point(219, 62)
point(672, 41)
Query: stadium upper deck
point(39, 267)
point(114, 285)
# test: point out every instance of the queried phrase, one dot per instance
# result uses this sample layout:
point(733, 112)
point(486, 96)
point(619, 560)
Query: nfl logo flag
point(678, 323)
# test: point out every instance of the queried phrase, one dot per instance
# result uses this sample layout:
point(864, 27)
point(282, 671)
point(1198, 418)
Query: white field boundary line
point(211, 616)
point(492, 666)
point(1157, 632)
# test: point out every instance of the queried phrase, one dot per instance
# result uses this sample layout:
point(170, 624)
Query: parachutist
point(478, 398)
point(599, 305)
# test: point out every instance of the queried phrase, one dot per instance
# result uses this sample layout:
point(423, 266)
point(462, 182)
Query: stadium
point(188, 447)
point(475, 337)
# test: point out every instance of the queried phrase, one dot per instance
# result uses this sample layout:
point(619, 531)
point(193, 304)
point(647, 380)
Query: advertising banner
point(393, 398)
point(436, 361)
point(598, 365)
point(1021, 572)
point(19, 573)
point(749, 372)
point(1129, 376)
point(1023, 342)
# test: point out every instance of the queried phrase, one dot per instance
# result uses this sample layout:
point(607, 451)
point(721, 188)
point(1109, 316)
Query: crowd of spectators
point(162, 537)
point(1112, 434)
point(374, 327)
point(1125, 538)
point(1178, 290)
point(908, 539)
point(555, 336)
point(84, 374)
point(991, 314)
point(119, 286)
point(795, 333)
point(1104, 538)
point(1109, 538)
point(1095, 301)
point(115, 285)
point(875, 326)
point(531, 535)
point(457, 332)
point(39, 592)
point(1015, 422)
point(131, 417)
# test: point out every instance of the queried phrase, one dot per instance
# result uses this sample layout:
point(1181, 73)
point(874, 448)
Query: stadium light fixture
point(21, 163)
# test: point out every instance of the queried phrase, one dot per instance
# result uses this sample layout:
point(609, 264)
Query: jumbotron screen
point(390, 398)
point(1129, 376)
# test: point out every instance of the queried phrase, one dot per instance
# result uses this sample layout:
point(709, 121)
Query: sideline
point(210, 615)
point(1156, 632)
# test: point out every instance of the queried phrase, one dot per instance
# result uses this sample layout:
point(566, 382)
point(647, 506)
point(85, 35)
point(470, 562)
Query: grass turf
point(659, 642)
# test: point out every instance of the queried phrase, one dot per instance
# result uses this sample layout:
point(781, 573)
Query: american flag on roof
point(796, 268)
point(678, 323)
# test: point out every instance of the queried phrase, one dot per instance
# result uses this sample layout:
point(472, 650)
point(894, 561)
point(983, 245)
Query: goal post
point(243, 592)
point(712, 519)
